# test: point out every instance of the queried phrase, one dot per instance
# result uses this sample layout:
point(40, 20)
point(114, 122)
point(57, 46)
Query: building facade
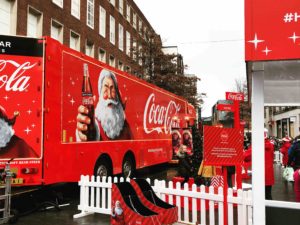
point(282, 121)
point(106, 30)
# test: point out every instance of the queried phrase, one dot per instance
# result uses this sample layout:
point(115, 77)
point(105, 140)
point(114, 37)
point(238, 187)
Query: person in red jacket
point(284, 150)
point(269, 170)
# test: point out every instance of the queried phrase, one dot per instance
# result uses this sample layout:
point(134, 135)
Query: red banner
point(272, 29)
point(234, 96)
point(225, 107)
point(223, 146)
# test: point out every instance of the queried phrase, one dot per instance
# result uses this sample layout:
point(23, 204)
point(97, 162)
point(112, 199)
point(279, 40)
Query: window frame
point(88, 43)
point(102, 11)
point(39, 15)
point(99, 55)
point(121, 9)
point(128, 43)
point(77, 45)
point(90, 3)
point(72, 6)
point(57, 24)
point(121, 37)
point(112, 30)
point(59, 3)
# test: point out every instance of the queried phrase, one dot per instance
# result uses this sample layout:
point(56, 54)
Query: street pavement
point(275, 216)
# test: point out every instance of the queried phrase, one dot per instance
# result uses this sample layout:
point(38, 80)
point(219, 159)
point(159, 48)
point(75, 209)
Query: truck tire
point(103, 169)
point(128, 167)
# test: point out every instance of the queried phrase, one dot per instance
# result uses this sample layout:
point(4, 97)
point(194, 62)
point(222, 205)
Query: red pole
point(237, 125)
point(225, 192)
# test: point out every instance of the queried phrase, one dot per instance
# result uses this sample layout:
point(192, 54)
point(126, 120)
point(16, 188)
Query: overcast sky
point(210, 37)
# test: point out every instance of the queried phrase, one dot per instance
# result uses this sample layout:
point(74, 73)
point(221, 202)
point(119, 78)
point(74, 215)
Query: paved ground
point(275, 216)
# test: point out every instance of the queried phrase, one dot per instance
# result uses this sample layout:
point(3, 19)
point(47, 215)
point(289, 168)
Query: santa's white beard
point(112, 118)
point(6, 132)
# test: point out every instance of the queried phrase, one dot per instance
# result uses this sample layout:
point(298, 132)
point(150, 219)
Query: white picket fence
point(95, 197)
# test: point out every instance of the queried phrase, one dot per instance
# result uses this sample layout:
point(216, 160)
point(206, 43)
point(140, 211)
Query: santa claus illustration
point(117, 214)
point(12, 146)
point(110, 120)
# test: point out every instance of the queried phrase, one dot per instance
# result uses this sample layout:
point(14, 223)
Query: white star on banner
point(33, 125)
point(266, 50)
point(72, 101)
point(255, 41)
point(6, 97)
point(294, 37)
point(27, 130)
point(29, 111)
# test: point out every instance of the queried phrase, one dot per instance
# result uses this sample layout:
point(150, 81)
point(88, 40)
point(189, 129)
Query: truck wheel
point(128, 167)
point(103, 169)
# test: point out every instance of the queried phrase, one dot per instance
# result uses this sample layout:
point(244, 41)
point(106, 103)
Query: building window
point(112, 30)
point(140, 55)
point(60, 3)
point(145, 33)
point(89, 49)
point(134, 21)
point(57, 31)
point(74, 40)
point(102, 22)
point(120, 65)
point(90, 13)
point(75, 8)
point(102, 55)
point(113, 2)
point(140, 26)
point(121, 6)
point(135, 50)
point(8, 15)
point(34, 23)
point(112, 61)
point(121, 37)
point(128, 13)
point(127, 69)
point(128, 40)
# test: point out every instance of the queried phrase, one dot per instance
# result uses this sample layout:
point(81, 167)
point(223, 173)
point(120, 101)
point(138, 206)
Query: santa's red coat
point(17, 148)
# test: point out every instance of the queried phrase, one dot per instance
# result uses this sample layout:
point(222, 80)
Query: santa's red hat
point(3, 115)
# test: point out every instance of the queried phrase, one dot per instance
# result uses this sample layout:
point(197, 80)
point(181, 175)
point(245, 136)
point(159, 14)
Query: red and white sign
point(225, 107)
point(223, 146)
point(272, 29)
point(234, 96)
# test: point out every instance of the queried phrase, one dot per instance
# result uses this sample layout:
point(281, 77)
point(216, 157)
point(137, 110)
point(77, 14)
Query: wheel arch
point(104, 158)
point(131, 155)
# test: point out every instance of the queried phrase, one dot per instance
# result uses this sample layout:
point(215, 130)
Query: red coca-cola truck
point(63, 114)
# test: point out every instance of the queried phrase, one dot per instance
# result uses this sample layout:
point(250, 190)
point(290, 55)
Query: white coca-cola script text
point(158, 118)
point(235, 96)
point(17, 80)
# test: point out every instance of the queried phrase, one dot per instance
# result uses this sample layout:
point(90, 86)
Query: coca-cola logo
point(224, 136)
point(158, 118)
point(235, 96)
point(17, 80)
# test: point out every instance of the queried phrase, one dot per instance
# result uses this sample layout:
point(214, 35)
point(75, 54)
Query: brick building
point(107, 30)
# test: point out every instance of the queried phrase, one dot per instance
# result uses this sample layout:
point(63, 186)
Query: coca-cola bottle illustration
point(88, 102)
